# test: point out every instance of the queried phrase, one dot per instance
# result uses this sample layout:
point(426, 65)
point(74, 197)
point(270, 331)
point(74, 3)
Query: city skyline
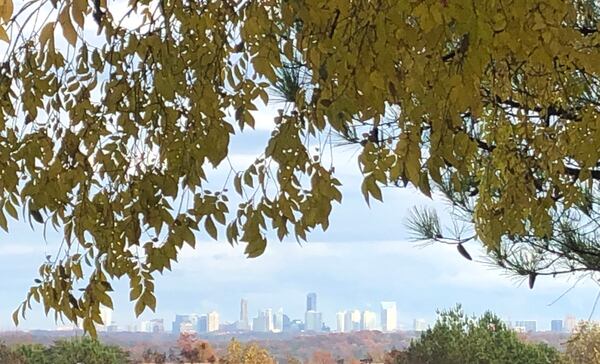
point(270, 321)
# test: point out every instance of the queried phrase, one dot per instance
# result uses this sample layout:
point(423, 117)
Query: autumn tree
point(193, 350)
point(250, 353)
point(112, 116)
point(322, 357)
point(584, 344)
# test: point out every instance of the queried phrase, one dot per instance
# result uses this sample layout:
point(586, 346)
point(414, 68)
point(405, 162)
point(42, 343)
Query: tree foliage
point(250, 353)
point(109, 137)
point(456, 338)
point(584, 344)
point(81, 350)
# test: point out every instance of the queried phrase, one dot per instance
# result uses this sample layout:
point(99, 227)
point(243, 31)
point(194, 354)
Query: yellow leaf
point(68, 30)
point(46, 33)
point(3, 35)
point(78, 12)
point(6, 10)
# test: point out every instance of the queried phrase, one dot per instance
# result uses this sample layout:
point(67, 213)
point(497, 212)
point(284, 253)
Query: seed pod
point(461, 249)
point(532, 276)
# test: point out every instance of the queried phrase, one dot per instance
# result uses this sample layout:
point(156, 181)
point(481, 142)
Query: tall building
point(569, 323)
point(278, 321)
point(419, 325)
point(264, 321)
point(243, 323)
point(389, 316)
point(203, 324)
point(185, 319)
point(526, 326)
point(368, 320)
point(157, 325)
point(145, 326)
point(106, 316)
point(213, 321)
point(340, 318)
point(311, 302)
point(313, 321)
point(556, 326)
point(352, 321)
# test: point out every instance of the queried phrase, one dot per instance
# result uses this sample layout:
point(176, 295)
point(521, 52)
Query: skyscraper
point(106, 316)
point(278, 321)
point(368, 320)
point(269, 318)
point(340, 319)
point(213, 321)
point(556, 326)
point(352, 321)
point(526, 326)
point(313, 321)
point(419, 325)
point(569, 323)
point(311, 302)
point(243, 323)
point(389, 316)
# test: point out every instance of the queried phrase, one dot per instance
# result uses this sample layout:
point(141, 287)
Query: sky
point(364, 258)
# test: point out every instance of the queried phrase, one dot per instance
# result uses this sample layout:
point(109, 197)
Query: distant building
point(311, 302)
point(286, 323)
point(203, 324)
point(313, 321)
point(264, 321)
point(179, 319)
point(556, 326)
point(296, 325)
point(244, 323)
point(213, 321)
point(389, 316)
point(352, 321)
point(570, 323)
point(420, 325)
point(278, 321)
point(157, 325)
point(340, 317)
point(368, 320)
point(528, 326)
point(187, 327)
point(145, 326)
point(106, 316)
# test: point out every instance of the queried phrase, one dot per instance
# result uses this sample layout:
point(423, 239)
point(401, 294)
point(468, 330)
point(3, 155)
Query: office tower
point(106, 316)
point(368, 320)
point(287, 323)
point(203, 324)
point(187, 327)
point(569, 323)
point(213, 321)
point(244, 323)
point(556, 326)
point(352, 321)
point(145, 326)
point(260, 323)
point(278, 321)
point(311, 302)
point(313, 321)
point(526, 326)
point(157, 325)
point(185, 319)
point(389, 316)
point(340, 319)
point(419, 325)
